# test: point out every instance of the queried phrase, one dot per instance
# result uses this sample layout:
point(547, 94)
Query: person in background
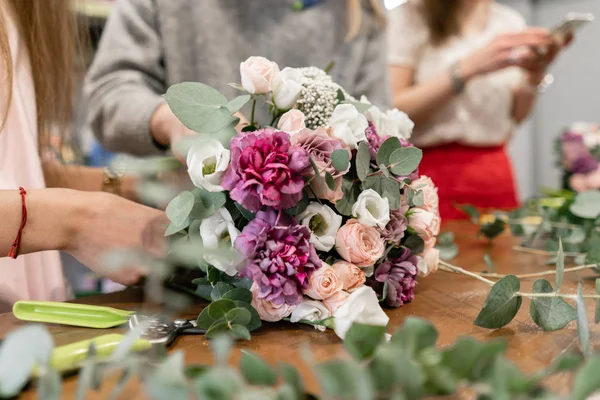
point(467, 73)
point(37, 46)
point(149, 45)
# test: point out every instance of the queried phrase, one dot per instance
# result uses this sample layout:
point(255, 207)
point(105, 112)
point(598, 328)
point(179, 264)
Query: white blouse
point(481, 115)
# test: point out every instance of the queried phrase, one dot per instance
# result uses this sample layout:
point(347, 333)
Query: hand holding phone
point(572, 23)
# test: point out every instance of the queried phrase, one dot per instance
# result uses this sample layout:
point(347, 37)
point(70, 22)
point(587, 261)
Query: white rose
point(216, 231)
point(391, 123)
point(207, 162)
point(292, 122)
point(371, 209)
point(258, 75)
point(362, 307)
point(310, 310)
point(428, 262)
point(287, 88)
point(323, 224)
point(348, 125)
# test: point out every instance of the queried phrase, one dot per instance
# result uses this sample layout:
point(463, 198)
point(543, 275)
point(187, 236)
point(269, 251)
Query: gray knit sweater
point(149, 45)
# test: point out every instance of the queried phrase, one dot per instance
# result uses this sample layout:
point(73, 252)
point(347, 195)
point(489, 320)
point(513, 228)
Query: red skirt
point(479, 176)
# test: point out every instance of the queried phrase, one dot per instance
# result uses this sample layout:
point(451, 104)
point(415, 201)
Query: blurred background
point(571, 98)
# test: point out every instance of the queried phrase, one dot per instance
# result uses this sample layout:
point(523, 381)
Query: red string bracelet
point(14, 250)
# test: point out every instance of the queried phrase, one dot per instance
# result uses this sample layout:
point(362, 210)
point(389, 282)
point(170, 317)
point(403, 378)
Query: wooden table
point(450, 301)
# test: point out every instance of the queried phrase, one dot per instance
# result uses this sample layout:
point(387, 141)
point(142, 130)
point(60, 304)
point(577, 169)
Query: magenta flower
point(280, 257)
point(396, 227)
point(375, 141)
point(265, 170)
point(401, 274)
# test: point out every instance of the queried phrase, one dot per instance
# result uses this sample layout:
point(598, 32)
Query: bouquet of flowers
point(317, 217)
point(579, 149)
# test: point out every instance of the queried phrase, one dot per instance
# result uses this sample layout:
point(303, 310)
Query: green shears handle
point(70, 314)
point(70, 357)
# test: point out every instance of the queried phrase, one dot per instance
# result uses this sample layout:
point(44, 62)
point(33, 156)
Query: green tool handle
point(83, 315)
point(70, 357)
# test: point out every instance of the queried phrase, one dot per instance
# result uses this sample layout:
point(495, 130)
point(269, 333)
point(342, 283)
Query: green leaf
point(292, 377)
point(204, 320)
point(362, 340)
point(351, 192)
point(392, 367)
point(239, 294)
point(124, 379)
point(243, 283)
point(237, 86)
point(180, 208)
point(49, 385)
point(405, 161)
point(361, 107)
point(583, 328)
point(560, 266)
point(415, 335)
point(218, 309)
point(446, 238)
point(415, 244)
point(216, 330)
point(340, 159)
point(384, 170)
point(329, 181)
point(239, 316)
point(501, 305)
point(257, 371)
point(221, 348)
point(386, 187)
point(415, 198)
point(550, 313)
point(586, 380)
point(168, 380)
point(240, 332)
point(343, 380)
point(286, 392)
point(447, 252)
point(363, 161)
point(219, 383)
point(300, 208)
point(213, 275)
point(236, 104)
point(219, 290)
point(387, 148)
point(597, 316)
point(340, 96)
point(207, 203)
point(469, 359)
point(593, 255)
point(564, 363)
point(249, 216)
point(198, 106)
point(172, 229)
point(488, 261)
point(586, 205)
point(255, 322)
point(493, 229)
point(471, 212)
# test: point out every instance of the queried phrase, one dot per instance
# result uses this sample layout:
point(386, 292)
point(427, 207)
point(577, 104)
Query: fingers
point(532, 37)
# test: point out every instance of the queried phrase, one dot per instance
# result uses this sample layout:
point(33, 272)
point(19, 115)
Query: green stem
point(252, 112)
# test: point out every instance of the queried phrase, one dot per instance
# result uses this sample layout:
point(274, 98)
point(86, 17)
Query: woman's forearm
point(523, 102)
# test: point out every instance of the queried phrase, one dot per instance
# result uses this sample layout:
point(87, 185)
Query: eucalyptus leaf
point(597, 313)
point(351, 193)
point(550, 313)
point(219, 383)
point(493, 229)
point(587, 205)
point(586, 380)
point(239, 294)
point(501, 305)
point(180, 207)
point(218, 309)
point(245, 213)
point(361, 107)
point(219, 290)
point(217, 329)
point(593, 254)
point(363, 161)
point(362, 340)
point(292, 377)
point(256, 370)
point(236, 104)
point(237, 86)
point(221, 347)
point(392, 367)
point(340, 160)
point(469, 359)
point(415, 336)
point(173, 229)
point(239, 316)
point(255, 322)
point(415, 244)
point(168, 380)
point(488, 261)
point(384, 170)
point(447, 252)
point(329, 181)
point(300, 207)
point(386, 187)
point(340, 96)
point(405, 161)
point(339, 379)
point(583, 329)
point(471, 212)
point(386, 149)
point(560, 266)
point(207, 203)
point(240, 332)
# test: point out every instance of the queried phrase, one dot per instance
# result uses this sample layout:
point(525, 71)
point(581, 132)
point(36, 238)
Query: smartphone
point(573, 22)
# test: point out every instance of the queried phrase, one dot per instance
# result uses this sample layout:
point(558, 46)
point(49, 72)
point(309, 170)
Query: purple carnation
point(280, 257)
point(584, 164)
point(375, 141)
point(401, 274)
point(396, 227)
point(265, 170)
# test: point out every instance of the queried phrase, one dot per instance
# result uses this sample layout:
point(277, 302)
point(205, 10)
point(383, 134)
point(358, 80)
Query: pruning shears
point(69, 357)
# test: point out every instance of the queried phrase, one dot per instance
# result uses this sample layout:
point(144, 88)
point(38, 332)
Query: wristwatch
point(111, 180)
point(458, 82)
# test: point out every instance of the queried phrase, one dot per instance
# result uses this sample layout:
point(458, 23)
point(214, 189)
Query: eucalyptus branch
point(539, 274)
point(444, 266)
point(252, 112)
point(544, 252)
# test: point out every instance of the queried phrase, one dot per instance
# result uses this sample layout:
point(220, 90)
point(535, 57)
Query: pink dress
point(34, 276)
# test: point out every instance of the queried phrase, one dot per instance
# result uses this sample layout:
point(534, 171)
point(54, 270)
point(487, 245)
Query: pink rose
point(351, 276)
point(425, 223)
point(579, 183)
point(428, 262)
point(593, 180)
point(358, 244)
point(267, 310)
point(258, 75)
point(323, 283)
point(292, 122)
point(319, 146)
point(430, 193)
point(336, 301)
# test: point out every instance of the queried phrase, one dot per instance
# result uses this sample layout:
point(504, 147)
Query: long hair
point(442, 18)
point(49, 30)
point(355, 15)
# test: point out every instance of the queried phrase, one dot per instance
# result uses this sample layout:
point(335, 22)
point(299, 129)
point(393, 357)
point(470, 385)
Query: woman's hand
point(508, 49)
point(537, 71)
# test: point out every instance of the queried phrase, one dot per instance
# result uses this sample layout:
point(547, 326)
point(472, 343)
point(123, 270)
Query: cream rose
point(361, 245)
point(350, 275)
point(292, 122)
point(268, 311)
point(348, 125)
point(207, 162)
point(219, 230)
point(287, 88)
point(430, 193)
point(425, 223)
point(258, 75)
point(310, 310)
point(371, 209)
point(362, 306)
point(323, 283)
point(391, 123)
point(323, 223)
point(428, 262)
point(334, 302)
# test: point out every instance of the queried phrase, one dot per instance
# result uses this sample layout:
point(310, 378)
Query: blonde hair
point(49, 30)
point(355, 16)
